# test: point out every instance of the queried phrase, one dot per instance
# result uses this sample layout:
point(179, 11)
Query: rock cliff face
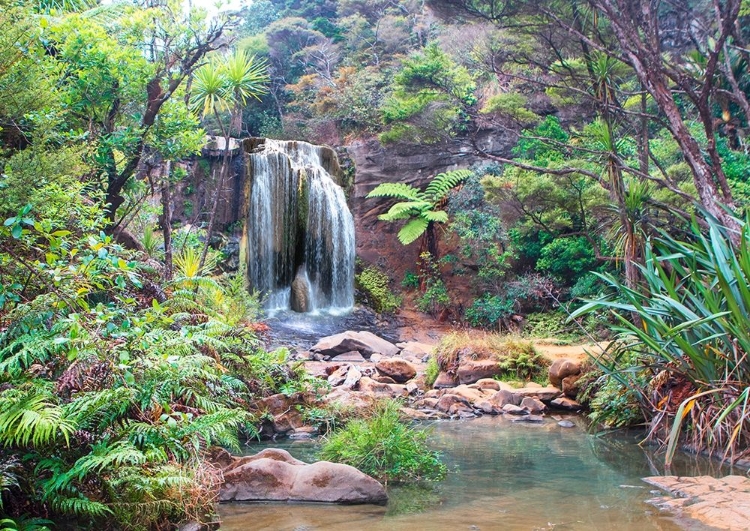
point(414, 165)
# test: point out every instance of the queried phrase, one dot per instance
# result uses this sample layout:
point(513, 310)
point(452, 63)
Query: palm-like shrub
point(692, 338)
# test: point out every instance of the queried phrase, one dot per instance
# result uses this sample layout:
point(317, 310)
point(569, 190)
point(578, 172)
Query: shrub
point(385, 448)
point(489, 311)
point(431, 371)
point(375, 286)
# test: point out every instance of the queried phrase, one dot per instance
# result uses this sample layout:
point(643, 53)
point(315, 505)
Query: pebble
point(566, 424)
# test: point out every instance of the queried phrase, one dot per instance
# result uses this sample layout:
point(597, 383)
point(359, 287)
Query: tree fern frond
point(412, 230)
point(442, 183)
point(405, 210)
point(436, 216)
point(397, 190)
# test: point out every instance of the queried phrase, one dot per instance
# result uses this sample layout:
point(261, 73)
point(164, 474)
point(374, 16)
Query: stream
point(502, 476)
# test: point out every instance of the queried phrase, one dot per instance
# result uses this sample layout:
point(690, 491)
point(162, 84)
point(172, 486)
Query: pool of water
point(502, 476)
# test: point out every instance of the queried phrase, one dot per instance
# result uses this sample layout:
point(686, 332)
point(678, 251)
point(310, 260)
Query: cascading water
point(300, 233)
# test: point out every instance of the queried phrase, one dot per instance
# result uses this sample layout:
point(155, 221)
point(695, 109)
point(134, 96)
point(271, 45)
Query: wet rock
point(444, 380)
point(274, 475)
point(503, 397)
point(400, 370)
point(565, 403)
point(471, 371)
point(528, 418)
point(461, 410)
point(561, 368)
point(366, 343)
point(534, 405)
point(300, 292)
point(287, 421)
point(511, 409)
point(566, 424)
point(428, 403)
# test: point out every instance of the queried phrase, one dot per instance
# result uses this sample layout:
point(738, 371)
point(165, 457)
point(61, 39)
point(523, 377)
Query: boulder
point(371, 387)
point(444, 380)
point(470, 371)
point(366, 343)
point(383, 379)
point(502, 397)
point(544, 394)
point(287, 421)
point(472, 395)
point(447, 401)
point(510, 409)
point(300, 292)
point(565, 403)
point(400, 370)
point(274, 475)
point(338, 376)
point(351, 357)
point(347, 398)
point(571, 385)
point(534, 405)
point(562, 368)
point(487, 383)
point(353, 376)
point(415, 348)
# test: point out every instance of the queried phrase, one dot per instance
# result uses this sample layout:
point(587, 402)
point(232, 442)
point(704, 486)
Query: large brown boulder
point(274, 475)
point(561, 368)
point(470, 371)
point(444, 380)
point(400, 370)
point(366, 343)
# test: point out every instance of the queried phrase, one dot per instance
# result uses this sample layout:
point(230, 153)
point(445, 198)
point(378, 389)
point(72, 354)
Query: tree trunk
point(166, 220)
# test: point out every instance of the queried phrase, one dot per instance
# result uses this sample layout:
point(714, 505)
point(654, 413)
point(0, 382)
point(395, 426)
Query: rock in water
point(300, 296)
point(366, 343)
point(274, 475)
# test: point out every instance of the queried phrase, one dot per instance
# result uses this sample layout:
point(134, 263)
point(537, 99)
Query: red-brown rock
point(400, 370)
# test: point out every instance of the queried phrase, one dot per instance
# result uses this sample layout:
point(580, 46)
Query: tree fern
point(413, 230)
point(443, 183)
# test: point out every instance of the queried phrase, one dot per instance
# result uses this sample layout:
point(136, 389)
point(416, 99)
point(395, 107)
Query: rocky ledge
point(274, 475)
point(722, 503)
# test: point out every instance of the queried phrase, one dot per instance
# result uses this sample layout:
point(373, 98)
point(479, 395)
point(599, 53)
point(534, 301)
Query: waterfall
point(300, 233)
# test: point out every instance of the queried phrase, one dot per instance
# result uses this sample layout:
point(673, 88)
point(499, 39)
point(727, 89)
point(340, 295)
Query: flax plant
point(692, 335)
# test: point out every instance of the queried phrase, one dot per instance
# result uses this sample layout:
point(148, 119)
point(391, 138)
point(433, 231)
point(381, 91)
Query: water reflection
point(501, 476)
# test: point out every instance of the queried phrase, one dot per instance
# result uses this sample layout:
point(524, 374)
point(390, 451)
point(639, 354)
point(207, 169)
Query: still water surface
point(503, 476)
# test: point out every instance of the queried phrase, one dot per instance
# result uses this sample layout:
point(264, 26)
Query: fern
point(28, 416)
point(412, 230)
point(396, 190)
point(443, 183)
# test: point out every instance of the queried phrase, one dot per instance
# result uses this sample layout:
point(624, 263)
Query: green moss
point(374, 285)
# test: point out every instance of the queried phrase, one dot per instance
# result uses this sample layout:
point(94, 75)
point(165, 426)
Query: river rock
point(471, 371)
point(348, 398)
point(300, 292)
point(274, 475)
point(565, 403)
point(534, 405)
point(372, 387)
point(415, 348)
point(487, 383)
point(351, 357)
point(444, 380)
point(383, 379)
point(472, 395)
point(502, 397)
point(353, 376)
point(400, 370)
point(562, 368)
point(287, 421)
point(527, 418)
point(544, 394)
point(571, 385)
point(511, 409)
point(566, 424)
point(366, 343)
point(721, 503)
point(338, 376)
point(447, 401)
